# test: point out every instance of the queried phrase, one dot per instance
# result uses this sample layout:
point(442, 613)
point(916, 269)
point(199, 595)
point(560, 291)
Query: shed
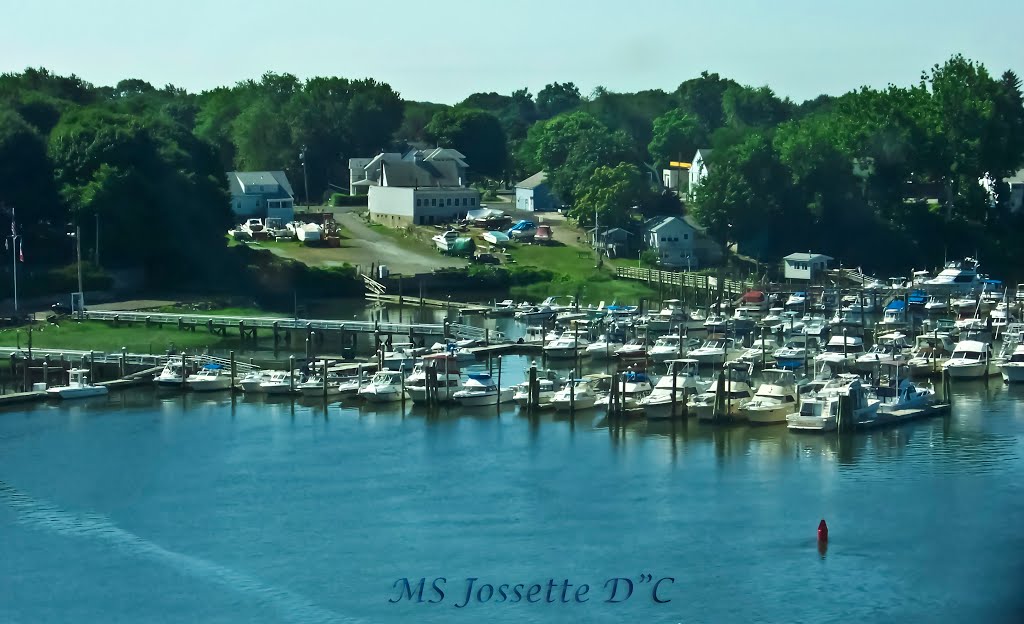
point(535, 195)
point(805, 266)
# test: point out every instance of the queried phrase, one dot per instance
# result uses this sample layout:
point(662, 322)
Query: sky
point(444, 50)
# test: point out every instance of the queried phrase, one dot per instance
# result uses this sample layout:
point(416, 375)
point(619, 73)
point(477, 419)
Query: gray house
point(613, 241)
point(261, 195)
point(437, 166)
point(534, 194)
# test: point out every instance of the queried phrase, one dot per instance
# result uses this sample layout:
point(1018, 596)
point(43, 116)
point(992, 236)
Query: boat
point(957, 276)
point(857, 305)
point(684, 375)
point(816, 326)
point(522, 230)
point(714, 351)
point(252, 382)
point(894, 314)
point(480, 389)
point(309, 232)
point(776, 397)
point(846, 319)
point(535, 313)
point(936, 304)
point(735, 395)
point(171, 375)
point(534, 335)
point(578, 394)
point(635, 349)
point(667, 347)
point(445, 241)
point(633, 386)
point(603, 347)
point(502, 308)
point(754, 298)
point(759, 351)
point(78, 387)
point(546, 391)
point(819, 411)
point(336, 386)
point(566, 346)
point(209, 378)
point(716, 324)
point(744, 319)
point(796, 300)
point(791, 355)
point(1012, 370)
point(278, 382)
point(384, 387)
point(459, 353)
point(971, 359)
point(897, 394)
point(841, 349)
point(252, 227)
point(402, 355)
point(449, 377)
point(496, 238)
point(929, 353)
point(890, 348)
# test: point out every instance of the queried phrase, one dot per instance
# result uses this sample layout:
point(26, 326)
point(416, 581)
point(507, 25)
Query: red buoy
point(822, 531)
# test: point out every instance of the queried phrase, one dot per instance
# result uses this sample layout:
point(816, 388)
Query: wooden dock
point(463, 308)
point(898, 417)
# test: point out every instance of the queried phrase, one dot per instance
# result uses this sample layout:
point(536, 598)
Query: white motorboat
point(846, 319)
point(796, 300)
point(252, 382)
point(384, 387)
point(171, 375)
point(685, 375)
point(445, 241)
point(735, 395)
point(936, 304)
point(635, 349)
point(453, 349)
point(209, 378)
point(252, 226)
point(816, 326)
point(566, 347)
point(857, 305)
point(309, 232)
point(402, 355)
point(667, 347)
point(841, 350)
point(713, 352)
point(314, 386)
point(776, 397)
point(480, 389)
point(957, 276)
point(1012, 369)
point(278, 382)
point(633, 386)
point(535, 313)
point(971, 359)
point(772, 319)
point(716, 324)
point(577, 394)
point(503, 308)
point(894, 315)
point(546, 391)
point(890, 348)
point(791, 355)
point(929, 354)
point(534, 335)
point(560, 303)
point(966, 303)
point(78, 386)
point(760, 350)
point(603, 347)
point(819, 411)
point(449, 377)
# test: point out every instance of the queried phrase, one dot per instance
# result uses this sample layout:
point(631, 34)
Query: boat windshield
point(967, 355)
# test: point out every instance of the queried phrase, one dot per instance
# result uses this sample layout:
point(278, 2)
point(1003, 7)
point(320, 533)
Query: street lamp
point(77, 235)
point(305, 179)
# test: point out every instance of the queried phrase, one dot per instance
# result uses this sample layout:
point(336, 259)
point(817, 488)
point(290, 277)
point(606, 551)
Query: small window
point(472, 201)
point(465, 201)
point(433, 201)
point(449, 201)
point(419, 202)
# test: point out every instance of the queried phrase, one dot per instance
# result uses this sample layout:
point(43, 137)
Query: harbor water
point(158, 506)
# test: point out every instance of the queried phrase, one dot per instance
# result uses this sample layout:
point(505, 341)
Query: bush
point(341, 199)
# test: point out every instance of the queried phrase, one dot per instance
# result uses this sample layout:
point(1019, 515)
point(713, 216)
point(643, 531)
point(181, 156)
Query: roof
point(244, 183)
point(1017, 178)
point(703, 153)
point(806, 257)
point(423, 173)
point(533, 181)
point(657, 223)
point(693, 223)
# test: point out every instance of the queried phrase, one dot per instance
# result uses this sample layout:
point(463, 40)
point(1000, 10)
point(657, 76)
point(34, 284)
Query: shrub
point(341, 199)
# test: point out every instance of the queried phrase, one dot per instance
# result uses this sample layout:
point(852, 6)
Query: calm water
point(149, 507)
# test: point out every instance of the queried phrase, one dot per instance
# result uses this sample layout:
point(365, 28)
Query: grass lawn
point(225, 311)
point(102, 337)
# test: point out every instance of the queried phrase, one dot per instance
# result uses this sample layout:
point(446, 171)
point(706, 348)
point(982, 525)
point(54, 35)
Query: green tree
point(702, 97)
point(557, 98)
point(744, 106)
point(677, 136)
point(475, 133)
point(614, 194)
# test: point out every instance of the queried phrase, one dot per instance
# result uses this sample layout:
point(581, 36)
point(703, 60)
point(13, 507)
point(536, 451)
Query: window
point(465, 201)
point(686, 236)
point(449, 201)
point(433, 201)
point(419, 202)
point(472, 201)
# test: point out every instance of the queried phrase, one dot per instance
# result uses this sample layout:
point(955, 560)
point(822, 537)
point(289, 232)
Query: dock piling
point(233, 371)
point(291, 375)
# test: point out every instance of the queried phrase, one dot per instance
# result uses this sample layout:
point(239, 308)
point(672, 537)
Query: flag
point(21, 250)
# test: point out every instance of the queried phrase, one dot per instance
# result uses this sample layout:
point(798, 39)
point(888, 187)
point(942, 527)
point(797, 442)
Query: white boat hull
point(580, 403)
point(1012, 373)
point(970, 371)
point(562, 353)
point(474, 399)
point(522, 399)
point(768, 415)
point(251, 386)
point(661, 409)
point(209, 385)
point(77, 393)
point(275, 389)
point(819, 424)
point(167, 381)
point(381, 395)
point(418, 394)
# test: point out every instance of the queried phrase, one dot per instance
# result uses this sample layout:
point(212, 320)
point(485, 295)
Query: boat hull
point(1012, 373)
point(768, 415)
point(210, 385)
point(970, 371)
point(484, 399)
point(77, 393)
point(579, 403)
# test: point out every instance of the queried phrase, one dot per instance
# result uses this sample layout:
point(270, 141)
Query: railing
point(697, 281)
point(458, 329)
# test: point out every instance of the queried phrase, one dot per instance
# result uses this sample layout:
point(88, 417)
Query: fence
point(695, 281)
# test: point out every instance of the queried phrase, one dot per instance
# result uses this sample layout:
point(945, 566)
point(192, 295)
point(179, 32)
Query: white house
point(675, 241)
point(674, 177)
point(805, 266)
point(261, 195)
point(699, 168)
point(1016, 184)
point(398, 206)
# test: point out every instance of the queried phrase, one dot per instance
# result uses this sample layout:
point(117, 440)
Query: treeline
point(881, 178)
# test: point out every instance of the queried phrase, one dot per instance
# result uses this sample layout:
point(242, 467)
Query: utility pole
point(77, 235)
point(14, 236)
point(305, 179)
point(96, 251)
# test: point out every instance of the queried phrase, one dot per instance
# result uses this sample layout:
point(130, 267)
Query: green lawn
point(102, 337)
point(225, 311)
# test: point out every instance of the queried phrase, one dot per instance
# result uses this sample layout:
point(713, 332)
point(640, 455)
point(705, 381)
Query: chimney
point(383, 174)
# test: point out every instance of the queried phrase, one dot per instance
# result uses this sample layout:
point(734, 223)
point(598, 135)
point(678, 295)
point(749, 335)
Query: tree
point(571, 147)
point(753, 107)
point(557, 98)
point(702, 96)
point(677, 136)
point(26, 182)
point(611, 193)
point(415, 118)
point(475, 133)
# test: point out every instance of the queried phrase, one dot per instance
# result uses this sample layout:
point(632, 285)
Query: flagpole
point(14, 261)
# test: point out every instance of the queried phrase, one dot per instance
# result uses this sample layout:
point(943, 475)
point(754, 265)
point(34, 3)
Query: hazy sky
point(443, 50)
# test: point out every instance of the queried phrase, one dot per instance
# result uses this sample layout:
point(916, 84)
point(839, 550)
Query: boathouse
point(805, 266)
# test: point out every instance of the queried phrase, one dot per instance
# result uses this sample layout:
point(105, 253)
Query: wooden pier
point(447, 304)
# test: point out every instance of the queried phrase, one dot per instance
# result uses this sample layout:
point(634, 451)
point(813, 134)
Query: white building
point(1016, 184)
point(398, 206)
point(680, 243)
point(805, 266)
point(437, 166)
point(261, 195)
point(699, 168)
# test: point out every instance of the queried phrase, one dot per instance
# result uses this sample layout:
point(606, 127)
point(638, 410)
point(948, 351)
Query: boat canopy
point(895, 304)
point(213, 367)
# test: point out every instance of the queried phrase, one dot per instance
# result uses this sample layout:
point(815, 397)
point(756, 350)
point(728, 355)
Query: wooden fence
point(696, 281)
